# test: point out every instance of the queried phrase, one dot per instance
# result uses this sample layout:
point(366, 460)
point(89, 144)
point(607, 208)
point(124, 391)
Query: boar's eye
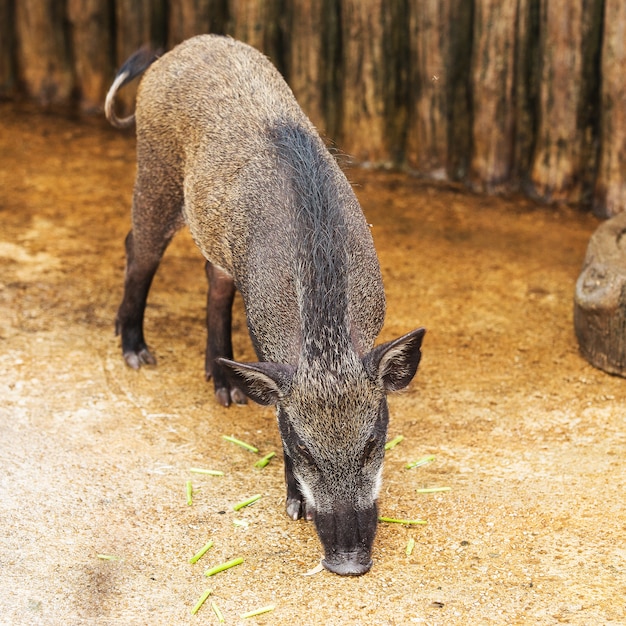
point(292, 442)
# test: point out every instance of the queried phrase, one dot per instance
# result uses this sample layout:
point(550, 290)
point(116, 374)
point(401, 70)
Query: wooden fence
point(508, 95)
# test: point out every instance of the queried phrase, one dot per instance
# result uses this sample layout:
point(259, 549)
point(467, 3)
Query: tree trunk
point(139, 23)
point(93, 50)
point(311, 59)
point(610, 188)
point(372, 119)
point(195, 17)
point(43, 57)
point(600, 298)
point(563, 159)
point(7, 45)
point(258, 23)
point(439, 121)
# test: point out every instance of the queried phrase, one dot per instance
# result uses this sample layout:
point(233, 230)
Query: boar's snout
point(348, 563)
point(347, 536)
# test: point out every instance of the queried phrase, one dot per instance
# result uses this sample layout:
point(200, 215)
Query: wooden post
point(526, 90)
point(372, 118)
point(258, 23)
point(93, 50)
point(138, 22)
point(563, 159)
point(493, 75)
point(43, 57)
point(311, 59)
point(195, 17)
point(7, 47)
point(439, 55)
point(610, 188)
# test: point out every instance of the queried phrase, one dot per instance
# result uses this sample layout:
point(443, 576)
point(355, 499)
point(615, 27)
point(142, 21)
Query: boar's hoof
point(222, 396)
point(297, 508)
point(238, 396)
point(293, 508)
point(225, 396)
point(348, 563)
point(139, 358)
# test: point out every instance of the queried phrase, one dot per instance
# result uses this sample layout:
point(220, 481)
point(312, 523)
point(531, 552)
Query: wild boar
point(223, 147)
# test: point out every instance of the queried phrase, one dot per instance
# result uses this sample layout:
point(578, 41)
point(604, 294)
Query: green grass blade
point(423, 461)
point(409, 546)
point(265, 609)
point(224, 566)
point(394, 442)
point(408, 522)
point(198, 555)
point(201, 601)
point(265, 460)
point(238, 442)
point(247, 502)
point(216, 610)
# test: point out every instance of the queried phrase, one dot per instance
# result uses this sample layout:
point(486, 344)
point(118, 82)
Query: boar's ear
point(395, 363)
point(263, 382)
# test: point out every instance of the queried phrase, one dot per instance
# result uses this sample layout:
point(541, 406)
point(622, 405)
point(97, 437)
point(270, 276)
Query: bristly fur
point(321, 256)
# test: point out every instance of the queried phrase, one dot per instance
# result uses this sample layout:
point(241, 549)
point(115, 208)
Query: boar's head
point(333, 424)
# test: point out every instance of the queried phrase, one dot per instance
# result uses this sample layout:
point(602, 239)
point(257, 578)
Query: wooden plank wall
point(523, 95)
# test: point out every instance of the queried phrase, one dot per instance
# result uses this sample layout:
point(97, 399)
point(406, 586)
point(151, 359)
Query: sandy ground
point(94, 457)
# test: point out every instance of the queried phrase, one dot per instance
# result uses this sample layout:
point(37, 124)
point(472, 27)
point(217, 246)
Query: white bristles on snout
point(307, 494)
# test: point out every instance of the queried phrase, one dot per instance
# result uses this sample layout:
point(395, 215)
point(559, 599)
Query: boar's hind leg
point(145, 244)
point(129, 321)
point(219, 343)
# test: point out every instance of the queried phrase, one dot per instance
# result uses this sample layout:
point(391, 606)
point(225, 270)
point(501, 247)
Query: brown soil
point(94, 457)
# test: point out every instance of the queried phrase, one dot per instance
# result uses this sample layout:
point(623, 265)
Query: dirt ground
point(94, 457)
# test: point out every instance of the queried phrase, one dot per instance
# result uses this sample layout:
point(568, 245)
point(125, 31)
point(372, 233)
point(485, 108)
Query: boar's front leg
point(219, 342)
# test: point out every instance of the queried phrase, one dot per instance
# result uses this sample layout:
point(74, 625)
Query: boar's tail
point(133, 67)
